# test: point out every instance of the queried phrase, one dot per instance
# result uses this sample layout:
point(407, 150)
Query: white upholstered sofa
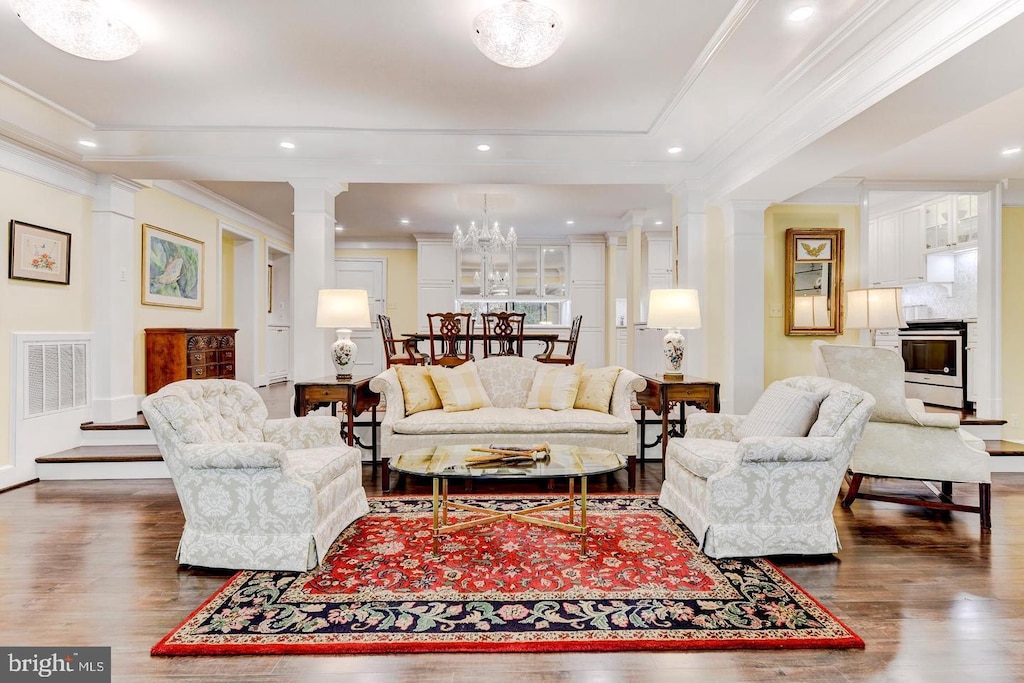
point(507, 381)
point(256, 493)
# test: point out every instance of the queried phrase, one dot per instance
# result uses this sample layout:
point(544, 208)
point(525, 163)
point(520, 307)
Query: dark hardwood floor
point(92, 563)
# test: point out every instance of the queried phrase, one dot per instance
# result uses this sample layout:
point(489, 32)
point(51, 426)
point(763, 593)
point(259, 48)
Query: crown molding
point(46, 169)
point(403, 244)
point(201, 196)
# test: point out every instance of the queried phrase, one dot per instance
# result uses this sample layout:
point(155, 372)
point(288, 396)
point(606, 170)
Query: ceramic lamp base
point(673, 349)
point(343, 354)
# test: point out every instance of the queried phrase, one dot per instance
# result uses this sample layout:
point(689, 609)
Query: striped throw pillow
point(459, 387)
point(781, 411)
point(417, 389)
point(554, 387)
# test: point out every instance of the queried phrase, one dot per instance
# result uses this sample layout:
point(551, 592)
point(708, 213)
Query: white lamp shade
point(875, 309)
point(674, 309)
point(811, 311)
point(343, 308)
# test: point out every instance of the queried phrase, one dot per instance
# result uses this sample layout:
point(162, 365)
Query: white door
point(365, 274)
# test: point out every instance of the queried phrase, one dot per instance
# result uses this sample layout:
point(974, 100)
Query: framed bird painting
point(172, 269)
point(812, 249)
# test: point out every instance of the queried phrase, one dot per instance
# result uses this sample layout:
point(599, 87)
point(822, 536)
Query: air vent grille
point(56, 377)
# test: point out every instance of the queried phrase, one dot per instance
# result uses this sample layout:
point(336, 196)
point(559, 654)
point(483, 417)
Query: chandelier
point(486, 239)
point(79, 27)
point(518, 33)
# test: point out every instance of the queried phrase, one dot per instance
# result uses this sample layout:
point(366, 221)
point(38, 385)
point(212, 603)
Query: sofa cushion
point(596, 386)
point(781, 411)
point(459, 387)
point(417, 388)
point(512, 421)
point(554, 387)
point(703, 457)
point(319, 466)
point(834, 410)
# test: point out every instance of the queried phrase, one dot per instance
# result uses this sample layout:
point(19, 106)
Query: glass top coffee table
point(442, 463)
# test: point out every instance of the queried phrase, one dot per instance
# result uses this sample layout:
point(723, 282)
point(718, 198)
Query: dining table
point(412, 339)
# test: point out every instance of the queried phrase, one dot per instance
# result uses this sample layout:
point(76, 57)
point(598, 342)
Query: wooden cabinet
point(176, 353)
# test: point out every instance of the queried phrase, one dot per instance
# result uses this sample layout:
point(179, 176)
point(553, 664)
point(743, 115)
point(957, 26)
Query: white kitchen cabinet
point(912, 256)
point(435, 278)
point(278, 352)
point(972, 373)
point(586, 263)
point(587, 295)
point(889, 251)
point(936, 224)
point(966, 222)
point(874, 279)
point(621, 347)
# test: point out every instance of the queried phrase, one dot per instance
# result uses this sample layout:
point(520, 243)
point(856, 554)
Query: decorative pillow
point(417, 389)
point(595, 392)
point(781, 411)
point(459, 387)
point(554, 387)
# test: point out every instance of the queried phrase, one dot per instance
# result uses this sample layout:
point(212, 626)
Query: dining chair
point(396, 352)
point(450, 338)
point(569, 357)
point(503, 334)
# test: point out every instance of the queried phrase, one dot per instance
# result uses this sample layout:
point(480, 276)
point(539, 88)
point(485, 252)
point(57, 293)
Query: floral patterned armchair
point(765, 495)
point(256, 493)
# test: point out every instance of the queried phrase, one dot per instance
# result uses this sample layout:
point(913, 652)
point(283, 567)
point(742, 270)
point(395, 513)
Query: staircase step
point(971, 420)
point(124, 453)
point(104, 462)
point(1000, 447)
point(137, 422)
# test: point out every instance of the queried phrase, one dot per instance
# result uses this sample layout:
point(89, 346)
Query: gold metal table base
point(441, 506)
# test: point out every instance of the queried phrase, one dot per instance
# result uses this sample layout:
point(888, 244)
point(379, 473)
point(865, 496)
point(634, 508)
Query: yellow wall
point(790, 356)
point(164, 210)
point(401, 286)
point(1013, 323)
point(227, 278)
point(36, 306)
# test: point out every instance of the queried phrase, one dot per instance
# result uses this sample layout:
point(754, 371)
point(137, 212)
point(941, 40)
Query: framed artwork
point(270, 288)
point(39, 254)
point(813, 249)
point(172, 269)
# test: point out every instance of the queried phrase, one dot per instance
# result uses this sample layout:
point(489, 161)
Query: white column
point(312, 270)
point(744, 306)
point(690, 209)
point(113, 299)
point(634, 280)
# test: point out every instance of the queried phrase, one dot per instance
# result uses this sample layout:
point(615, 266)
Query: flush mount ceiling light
point(288, 145)
point(1010, 151)
point(675, 150)
point(801, 14)
point(87, 143)
point(483, 148)
point(79, 27)
point(518, 33)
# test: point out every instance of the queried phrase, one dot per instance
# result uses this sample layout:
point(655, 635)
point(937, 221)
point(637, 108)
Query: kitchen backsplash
point(963, 303)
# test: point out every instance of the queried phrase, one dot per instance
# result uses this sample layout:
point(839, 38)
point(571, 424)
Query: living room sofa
point(507, 381)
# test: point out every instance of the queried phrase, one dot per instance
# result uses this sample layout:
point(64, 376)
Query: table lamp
point(674, 309)
point(874, 309)
point(343, 309)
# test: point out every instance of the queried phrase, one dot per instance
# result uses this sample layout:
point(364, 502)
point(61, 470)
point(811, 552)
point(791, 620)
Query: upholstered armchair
point(902, 441)
point(256, 493)
point(765, 495)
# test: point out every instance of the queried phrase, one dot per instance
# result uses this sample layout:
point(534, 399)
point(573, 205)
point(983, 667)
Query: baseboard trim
point(18, 486)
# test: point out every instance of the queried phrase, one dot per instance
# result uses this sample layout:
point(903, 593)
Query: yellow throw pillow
point(417, 389)
point(596, 387)
point(459, 387)
point(554, 387)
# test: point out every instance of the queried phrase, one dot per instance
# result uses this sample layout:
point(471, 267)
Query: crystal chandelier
point(518, 33)
point(79, 27)
point(486, 239)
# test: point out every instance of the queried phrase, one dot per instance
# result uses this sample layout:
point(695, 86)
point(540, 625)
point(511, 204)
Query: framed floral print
point(39, 254)
point(172, 269)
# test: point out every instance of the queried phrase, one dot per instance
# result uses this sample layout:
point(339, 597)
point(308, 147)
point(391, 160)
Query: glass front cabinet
point(532, 279)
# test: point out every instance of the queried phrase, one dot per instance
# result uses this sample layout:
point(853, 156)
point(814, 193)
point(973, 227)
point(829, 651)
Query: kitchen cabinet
point(969, 356)
point(912, 251)
point(278, 352)
point(586, 268)
point(435, 278)
point(951, 222)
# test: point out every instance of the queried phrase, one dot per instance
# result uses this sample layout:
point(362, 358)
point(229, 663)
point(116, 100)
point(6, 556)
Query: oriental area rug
point(510, 587)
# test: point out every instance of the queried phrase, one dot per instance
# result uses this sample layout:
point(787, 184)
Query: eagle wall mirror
point(814, 281)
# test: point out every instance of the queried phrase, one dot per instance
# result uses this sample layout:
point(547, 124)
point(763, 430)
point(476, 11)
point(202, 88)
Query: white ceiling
point(392, 98)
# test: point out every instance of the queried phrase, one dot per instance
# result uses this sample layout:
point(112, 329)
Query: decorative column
point(634, 280)
point(114, 298)
point(312, 270)
point(689, 210)
point(744, 306)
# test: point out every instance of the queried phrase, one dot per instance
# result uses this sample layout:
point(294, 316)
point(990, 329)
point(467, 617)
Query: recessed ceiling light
point(288, 145)
point(404, 221)
point(570, 222)
point(483, 148)
point(1010, 151)
point(658, 222)
point(801, 13)
point(87, 143)
point(675, 150)
point(339, 227)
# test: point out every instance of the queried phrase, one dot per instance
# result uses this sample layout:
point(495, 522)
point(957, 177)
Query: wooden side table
point(664, 393)
point(355, 398)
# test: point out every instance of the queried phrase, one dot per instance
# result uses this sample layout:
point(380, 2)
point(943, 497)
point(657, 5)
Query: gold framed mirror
point(814, 281)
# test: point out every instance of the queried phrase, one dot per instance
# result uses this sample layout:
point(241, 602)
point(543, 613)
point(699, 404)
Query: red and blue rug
point(510, 587)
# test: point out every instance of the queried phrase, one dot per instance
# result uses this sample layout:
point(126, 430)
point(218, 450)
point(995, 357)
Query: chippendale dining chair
point(395, 350)
point(570, 352)
point(503, 334)
point(450, 338)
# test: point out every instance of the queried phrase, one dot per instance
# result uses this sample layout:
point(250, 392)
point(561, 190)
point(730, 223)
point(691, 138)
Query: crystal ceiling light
point(79, 27)
point(518, 33)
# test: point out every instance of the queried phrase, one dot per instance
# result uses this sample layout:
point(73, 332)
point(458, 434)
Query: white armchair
point(902, 441)
point(256, 493)
point(769, 495)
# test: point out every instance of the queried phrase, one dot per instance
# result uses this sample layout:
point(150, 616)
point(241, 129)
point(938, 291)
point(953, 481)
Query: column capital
point(634, 218)
point(331, 187)
point(115, 194)
point(612, 238)
point(692, 196)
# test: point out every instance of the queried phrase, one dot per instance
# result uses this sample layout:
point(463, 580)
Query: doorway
point(369, 274)
point(239, 306)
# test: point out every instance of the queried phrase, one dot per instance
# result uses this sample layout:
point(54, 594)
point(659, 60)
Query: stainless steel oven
point(935, 362)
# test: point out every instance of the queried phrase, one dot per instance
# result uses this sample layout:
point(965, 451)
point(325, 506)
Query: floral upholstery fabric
point(258, 494)
point(770, 495)
point(507, 381)
point(876, 370)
